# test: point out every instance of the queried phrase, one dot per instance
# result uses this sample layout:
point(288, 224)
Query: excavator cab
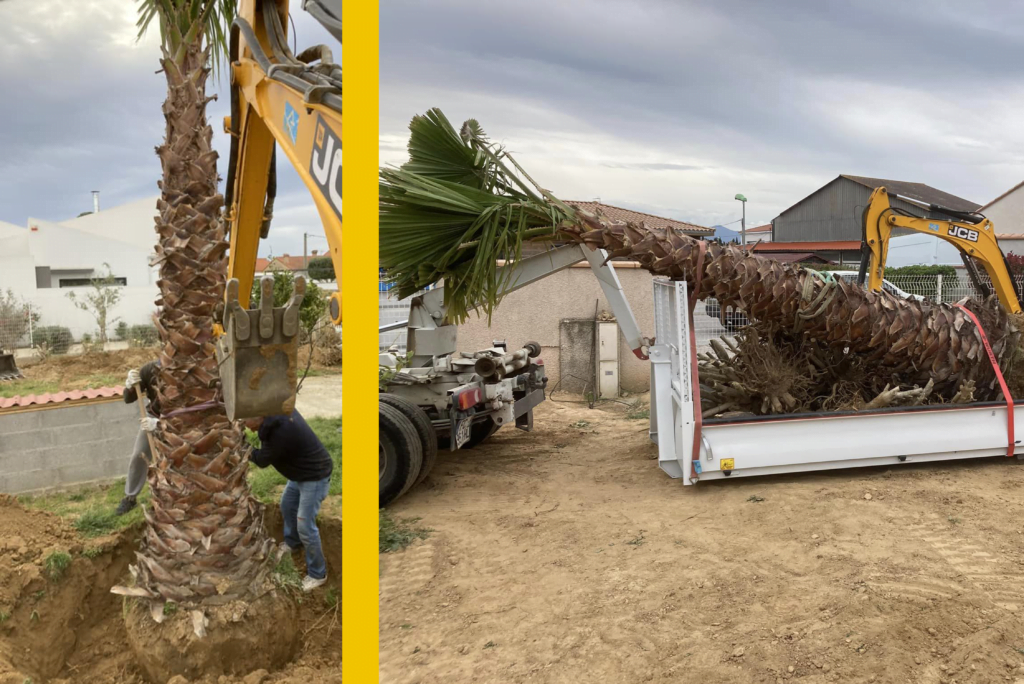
point(257, 353)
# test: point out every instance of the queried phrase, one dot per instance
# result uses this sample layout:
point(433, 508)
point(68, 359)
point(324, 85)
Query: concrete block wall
point(60, 446)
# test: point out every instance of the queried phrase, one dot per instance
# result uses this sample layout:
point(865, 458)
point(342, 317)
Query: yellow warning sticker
point(726, 464)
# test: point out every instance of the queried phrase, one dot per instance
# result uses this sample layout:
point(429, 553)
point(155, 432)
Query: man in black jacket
point(290, 445)
point(138, 463)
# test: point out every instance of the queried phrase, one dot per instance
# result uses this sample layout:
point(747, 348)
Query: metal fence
point(27, 330)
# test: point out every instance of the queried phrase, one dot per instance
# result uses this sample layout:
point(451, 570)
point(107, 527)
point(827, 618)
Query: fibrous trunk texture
point(204, 542)
point(895, 341)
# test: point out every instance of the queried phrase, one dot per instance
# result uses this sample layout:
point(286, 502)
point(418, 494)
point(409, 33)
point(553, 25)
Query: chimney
point(95, 201)
point(314, 252)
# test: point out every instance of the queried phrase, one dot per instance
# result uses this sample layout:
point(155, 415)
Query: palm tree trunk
point(903, 341)
point(204, 542)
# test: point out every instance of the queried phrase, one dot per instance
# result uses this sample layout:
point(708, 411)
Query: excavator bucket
point(257, 352)
point(9, 369)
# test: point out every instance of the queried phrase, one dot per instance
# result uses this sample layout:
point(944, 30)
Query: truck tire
point(400, 454)
point(425, 429)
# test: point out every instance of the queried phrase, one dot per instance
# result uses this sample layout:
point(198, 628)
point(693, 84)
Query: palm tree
point(204, 547)
point(461, 202)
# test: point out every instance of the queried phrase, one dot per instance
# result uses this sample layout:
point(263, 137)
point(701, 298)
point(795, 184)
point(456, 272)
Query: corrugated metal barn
point(833, 213)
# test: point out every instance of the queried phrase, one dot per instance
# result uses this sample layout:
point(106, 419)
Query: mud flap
point(257, 354)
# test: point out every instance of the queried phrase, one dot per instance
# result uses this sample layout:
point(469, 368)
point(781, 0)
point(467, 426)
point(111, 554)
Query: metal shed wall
point(831, 213)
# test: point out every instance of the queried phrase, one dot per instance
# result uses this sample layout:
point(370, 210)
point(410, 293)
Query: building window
point(84, 282)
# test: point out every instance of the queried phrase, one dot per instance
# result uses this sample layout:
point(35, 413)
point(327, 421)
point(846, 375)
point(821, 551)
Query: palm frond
point(183, 22)
point(453, 210)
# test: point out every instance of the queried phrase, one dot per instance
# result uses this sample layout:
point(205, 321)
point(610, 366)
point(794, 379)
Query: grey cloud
point(81, 110)
point(768, 98)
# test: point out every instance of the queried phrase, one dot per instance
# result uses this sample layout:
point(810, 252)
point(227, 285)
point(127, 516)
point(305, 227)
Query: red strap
point(999, 376)
point(694, 378)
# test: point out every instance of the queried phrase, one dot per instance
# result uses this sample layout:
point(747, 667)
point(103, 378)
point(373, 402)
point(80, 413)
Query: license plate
point(463, 432)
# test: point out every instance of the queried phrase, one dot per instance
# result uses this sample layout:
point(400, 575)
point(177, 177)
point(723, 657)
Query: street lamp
point(743, 224)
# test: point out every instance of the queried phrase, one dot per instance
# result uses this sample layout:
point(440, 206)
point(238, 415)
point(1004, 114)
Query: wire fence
point(709, 321)
point(27, 330)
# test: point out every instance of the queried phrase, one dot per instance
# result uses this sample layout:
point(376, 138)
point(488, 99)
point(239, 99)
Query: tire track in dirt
point(405, 575)
point(976, 568)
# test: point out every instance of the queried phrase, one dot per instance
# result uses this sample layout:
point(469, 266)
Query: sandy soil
point(566, 555)
point(320, 396)
point(72, 630)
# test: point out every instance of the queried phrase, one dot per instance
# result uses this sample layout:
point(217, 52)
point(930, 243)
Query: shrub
point(56, 338)
point(142, 336)
point(121, 331)
point(321, 268)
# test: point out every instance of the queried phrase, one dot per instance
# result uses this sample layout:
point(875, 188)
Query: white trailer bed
point(767, 445)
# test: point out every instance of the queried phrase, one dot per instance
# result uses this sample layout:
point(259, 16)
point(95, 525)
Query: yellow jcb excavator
point(972, 234)
point(290, 102)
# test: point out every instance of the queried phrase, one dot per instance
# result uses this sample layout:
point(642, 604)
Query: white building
point(44, 260)
point(1007, 215)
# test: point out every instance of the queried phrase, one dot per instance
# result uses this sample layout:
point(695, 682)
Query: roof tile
point(620, 214)
point(60, 397)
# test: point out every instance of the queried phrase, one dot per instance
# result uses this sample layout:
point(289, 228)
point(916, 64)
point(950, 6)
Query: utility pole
point(743, 223)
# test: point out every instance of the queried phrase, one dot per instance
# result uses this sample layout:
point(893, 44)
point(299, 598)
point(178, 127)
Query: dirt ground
point(320, 396)
point(73, 371)
point(71, 629)
point(566, 555)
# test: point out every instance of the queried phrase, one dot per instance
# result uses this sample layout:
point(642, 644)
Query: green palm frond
point(454, 209)
point(182, 22)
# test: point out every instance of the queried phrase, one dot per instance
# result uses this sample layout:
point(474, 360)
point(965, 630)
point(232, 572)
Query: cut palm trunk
point(460, 203)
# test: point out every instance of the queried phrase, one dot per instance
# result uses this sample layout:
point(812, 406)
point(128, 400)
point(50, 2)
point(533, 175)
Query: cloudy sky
point(673, 107)
point(81, 112)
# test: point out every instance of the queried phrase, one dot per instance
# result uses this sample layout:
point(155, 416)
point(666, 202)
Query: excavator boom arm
point(974, 240)
point(279, 102)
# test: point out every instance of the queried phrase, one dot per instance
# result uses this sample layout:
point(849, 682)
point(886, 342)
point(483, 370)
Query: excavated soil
point(566, 555)
point(72, 630)
point(71, 371)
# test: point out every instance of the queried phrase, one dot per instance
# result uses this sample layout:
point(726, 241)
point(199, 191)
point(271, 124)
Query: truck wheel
point(401, 455)
point(424, 428)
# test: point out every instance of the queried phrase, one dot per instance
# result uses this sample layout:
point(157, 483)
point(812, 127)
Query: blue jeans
point(300, 503)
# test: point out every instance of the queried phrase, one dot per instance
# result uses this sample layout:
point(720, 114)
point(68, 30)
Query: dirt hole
point(61, 626)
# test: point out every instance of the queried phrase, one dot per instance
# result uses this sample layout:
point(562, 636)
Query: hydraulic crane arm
point(972, 234)
point(291, 102)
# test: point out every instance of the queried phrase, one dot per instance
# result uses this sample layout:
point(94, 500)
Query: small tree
point(314, 304)
point(321, 268)
point(15, 316)
point(105, 295)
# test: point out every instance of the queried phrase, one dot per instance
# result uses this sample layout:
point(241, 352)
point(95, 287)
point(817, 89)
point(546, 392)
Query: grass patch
point(170, 608)
point(580, 424)
point(56, 564)
point(327, 429)
point(395, 535)
point(93, 552)
point(4, 616)
point(638, 411)
point(286, 575)
point(89, 510)
point(754, 498)
point(23, 388)
point(331, 598)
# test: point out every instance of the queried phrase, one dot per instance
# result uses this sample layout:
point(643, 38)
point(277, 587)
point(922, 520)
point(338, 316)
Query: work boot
point(127, 504)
